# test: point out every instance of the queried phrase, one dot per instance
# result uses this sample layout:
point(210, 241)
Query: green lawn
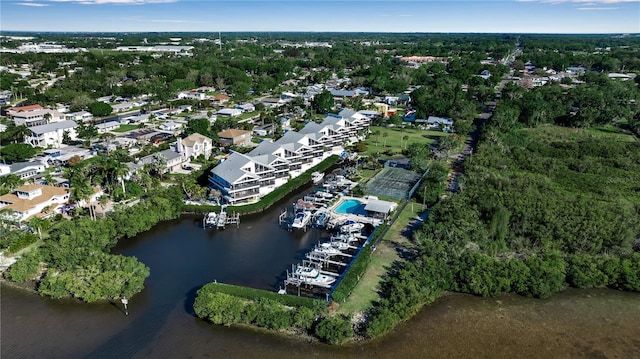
point(387, 252)
point(394, 141)
point(246, 115)
point(125, 128)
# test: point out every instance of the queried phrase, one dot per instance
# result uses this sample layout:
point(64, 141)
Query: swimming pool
point(351, 206)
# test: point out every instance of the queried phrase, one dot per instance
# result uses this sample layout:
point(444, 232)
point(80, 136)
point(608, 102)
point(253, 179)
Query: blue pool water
point(352, 206)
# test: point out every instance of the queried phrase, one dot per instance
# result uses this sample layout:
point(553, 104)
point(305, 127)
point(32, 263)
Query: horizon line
point(315, 32)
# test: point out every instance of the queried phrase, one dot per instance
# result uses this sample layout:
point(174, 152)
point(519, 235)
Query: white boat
point(327, 249)
point(222, 219)
point(316, 177)
point(311, 275)
point(211, 219)
point(345, 238)
point(301, 219)
point(339, 245)
point(351, 227)
point(324, 194)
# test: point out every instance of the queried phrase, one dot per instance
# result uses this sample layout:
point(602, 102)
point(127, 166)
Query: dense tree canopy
point(99, 108)
point(17, 152)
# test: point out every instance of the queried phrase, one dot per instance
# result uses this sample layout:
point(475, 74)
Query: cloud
point(598, 8)
point(177, 21)
point(396, 15)
point(115, 2)
point(33, 4)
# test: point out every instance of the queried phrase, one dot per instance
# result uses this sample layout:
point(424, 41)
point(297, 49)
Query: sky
point(455, 16)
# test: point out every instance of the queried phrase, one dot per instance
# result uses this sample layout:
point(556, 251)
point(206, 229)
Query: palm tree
point(11, 182)
point(405, 138)
point(20, 133)
point(385, 135)
point(120, 171)
point(377, 134)
point(103, 200)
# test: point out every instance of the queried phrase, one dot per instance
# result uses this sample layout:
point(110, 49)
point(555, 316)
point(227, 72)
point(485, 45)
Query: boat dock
point(220, 220)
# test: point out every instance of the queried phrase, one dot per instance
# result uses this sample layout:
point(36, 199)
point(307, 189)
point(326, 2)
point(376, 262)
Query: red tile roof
point(25, 108)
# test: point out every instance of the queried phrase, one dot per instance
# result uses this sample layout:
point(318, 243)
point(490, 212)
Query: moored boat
point(301, 219)
point(313, 276)
point(351, 227)
point(317, 177)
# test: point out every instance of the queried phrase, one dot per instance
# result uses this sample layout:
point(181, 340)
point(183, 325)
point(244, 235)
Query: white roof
point(379, 206)
point(50, 127)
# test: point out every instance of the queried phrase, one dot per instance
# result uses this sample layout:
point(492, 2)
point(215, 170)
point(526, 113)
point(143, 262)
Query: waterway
point(182, 257)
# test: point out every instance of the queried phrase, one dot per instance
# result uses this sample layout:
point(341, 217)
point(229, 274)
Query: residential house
point(105, 99)
point(62, 155)
point(270, 102)
point(36, 117)
point(172, 158)
point(29, 200)
point(185, 108)
point(246, 107)
point(107, 126)
point(82, 116)
point(195, 145)
point(263, 130)
point(137, 118)
point(391, 100)
point(162, 113)
point(122, 107)
point(445, 123)
point(238, 178)
point(485, 74)
point(576, 70)
point(342, 94)
point(229, 112)
point(51, 135)
point(220, 99)
point(372, 115)
point(5, 97)
point(618, 76)
point(170, 126)
point(235, 137)
point(192, 95)
point(11, 111)
point(24, 170)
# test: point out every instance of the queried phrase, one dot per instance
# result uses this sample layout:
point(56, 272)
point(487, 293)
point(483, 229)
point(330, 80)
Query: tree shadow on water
point(190, 299)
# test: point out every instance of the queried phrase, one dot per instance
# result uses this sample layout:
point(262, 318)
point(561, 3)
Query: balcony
point(239, 187)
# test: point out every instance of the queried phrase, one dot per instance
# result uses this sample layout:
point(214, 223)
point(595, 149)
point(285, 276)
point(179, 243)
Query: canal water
point(183, 256)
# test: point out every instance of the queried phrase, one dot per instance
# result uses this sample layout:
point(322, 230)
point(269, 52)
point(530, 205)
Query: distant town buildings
point(47, 47)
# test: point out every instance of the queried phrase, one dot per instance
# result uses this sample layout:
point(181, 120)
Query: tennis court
point(392, 182)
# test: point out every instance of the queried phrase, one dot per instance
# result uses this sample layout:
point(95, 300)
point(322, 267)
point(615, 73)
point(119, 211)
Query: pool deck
point(337, 218)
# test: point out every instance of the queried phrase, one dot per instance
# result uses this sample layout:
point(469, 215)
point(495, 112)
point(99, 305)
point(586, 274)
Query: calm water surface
point(182, 257)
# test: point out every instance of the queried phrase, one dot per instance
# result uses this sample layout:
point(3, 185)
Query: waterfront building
point(29, 200)
point(245, 178)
